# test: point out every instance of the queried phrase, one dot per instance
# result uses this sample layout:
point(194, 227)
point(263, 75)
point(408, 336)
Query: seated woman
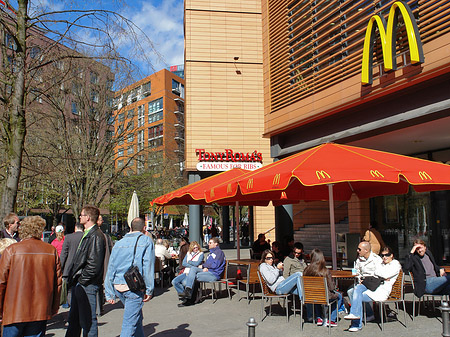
point(274, 278)
point(318, 267)
point(193, 258)
point(388, 271)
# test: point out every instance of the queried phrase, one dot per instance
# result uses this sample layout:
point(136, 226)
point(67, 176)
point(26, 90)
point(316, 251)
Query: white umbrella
point(133, 211)
point(185, 221)
point(171, 223)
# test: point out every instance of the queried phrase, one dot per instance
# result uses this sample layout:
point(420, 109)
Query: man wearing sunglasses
point(366, 264)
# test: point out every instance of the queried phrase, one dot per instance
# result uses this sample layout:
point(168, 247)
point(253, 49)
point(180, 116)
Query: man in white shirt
point(163, 254)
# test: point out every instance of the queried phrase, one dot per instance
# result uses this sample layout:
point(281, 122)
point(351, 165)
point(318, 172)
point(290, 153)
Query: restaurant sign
point(227, 160)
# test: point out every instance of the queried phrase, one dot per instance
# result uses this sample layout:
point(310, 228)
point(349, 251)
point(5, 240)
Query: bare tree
point(33, 41)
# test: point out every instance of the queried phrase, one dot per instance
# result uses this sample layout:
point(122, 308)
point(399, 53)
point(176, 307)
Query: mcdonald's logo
point(376, 174)
point(250, 184)
point(388, 32)
point(229, 188)
point(322, 175)
point(424, 176)
point(211, 193)
point(276, 179)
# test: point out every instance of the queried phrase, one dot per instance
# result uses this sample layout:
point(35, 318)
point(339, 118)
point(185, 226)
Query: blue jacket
point(120, 262)
point(215, 262)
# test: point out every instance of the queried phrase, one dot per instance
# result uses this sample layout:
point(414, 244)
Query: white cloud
point(162, 22)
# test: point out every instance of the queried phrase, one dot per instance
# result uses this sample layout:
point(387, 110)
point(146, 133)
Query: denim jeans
point(26, 329)
point(291, 285)
point(132, 315)
point(200, 275)
point(361, 288)
point(438, 285)
point(82, 313)
point(179, 283)
point(357, 305)
point(318, 310)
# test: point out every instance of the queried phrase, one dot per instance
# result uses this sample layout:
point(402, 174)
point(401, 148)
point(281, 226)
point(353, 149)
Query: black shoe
point(184, 304)
point(187, 293)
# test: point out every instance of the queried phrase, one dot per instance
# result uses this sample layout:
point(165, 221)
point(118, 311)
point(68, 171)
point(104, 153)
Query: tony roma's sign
point(224, 161)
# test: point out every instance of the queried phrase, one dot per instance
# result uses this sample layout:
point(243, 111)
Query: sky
point(158, 21)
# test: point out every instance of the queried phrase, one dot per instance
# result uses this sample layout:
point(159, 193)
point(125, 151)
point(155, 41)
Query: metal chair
point(427, 296)
point(250, 280)
point(268, 294)
point(159, 271)
point(397, 295)
point(315, 291)
point(222, 280)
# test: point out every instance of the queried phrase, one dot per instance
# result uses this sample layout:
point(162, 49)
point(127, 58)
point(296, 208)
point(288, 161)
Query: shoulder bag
point(133, 276)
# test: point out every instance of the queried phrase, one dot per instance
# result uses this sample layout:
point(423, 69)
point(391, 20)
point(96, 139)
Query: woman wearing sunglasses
point(388, 271)
point(273, 275)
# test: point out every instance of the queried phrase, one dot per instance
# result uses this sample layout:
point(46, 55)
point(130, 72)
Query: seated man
point(428, 277)
point(163, 254)
point(260, 245)
point(210, 271)
point(294, 262)
point(366, 265)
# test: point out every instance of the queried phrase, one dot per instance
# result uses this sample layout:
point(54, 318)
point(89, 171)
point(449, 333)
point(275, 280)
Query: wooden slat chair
point(222, 280)
point(250, 280)
point(397, 295)
point(427, 296)
point(315, 291)
point(268, 294)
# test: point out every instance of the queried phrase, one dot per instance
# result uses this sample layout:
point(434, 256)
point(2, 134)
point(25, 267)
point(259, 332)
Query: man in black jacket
point(428, 277)
point(86, 276)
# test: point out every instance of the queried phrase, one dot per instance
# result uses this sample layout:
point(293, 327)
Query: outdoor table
point(243, 262)
point(446, 269)
point(341, 275)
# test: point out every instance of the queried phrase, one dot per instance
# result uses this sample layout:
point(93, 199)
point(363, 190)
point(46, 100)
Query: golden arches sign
point(376, 174)
point(424, 176)
point(388, 32)
point(250, 184)
point(276, 179)
point(322, 175)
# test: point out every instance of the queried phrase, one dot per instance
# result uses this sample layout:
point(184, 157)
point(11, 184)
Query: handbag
point(133, 276)
point(372, 282)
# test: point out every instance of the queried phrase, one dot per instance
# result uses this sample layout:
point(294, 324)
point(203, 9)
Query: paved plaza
point(162, 317)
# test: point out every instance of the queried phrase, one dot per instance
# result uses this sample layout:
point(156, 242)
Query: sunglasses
point(385, 255)
point(269, 258)
point(358, 249)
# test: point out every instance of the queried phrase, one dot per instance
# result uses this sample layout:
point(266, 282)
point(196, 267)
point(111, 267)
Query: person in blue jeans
point(318, 267)
point(273, 275)
point(122, 257)
point(209, 271)
point(193, 258)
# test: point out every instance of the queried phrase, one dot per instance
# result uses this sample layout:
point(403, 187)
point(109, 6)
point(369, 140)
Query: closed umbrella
point(133, 211)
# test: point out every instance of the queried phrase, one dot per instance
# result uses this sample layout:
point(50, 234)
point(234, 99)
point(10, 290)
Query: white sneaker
point(351, 316)
point(354, 329)
point(370, 318)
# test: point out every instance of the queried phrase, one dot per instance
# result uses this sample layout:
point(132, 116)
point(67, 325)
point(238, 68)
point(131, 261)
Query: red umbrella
point(333, 171)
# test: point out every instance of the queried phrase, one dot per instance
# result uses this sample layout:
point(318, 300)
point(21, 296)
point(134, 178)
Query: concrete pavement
point(227, 317)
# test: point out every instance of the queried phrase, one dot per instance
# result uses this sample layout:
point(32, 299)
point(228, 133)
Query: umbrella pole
point(332, 225)
point(238, 240)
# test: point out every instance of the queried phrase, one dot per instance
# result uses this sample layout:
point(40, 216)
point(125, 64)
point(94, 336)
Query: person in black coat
point(429, 278)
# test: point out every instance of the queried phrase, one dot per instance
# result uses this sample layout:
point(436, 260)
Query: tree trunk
point(16, 123)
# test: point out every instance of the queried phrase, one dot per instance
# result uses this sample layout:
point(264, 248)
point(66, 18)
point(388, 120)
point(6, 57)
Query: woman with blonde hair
point(193, 258)
point(59, 240)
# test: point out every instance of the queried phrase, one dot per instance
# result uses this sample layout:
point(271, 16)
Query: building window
point(140, 163)
point(156, 142)
point(120, 140)
point(155, 110)
point(177, 88)
point(35, 52)
point(130, 149)
point(59, 65)
point(10, 43)
point(119, 129)
point(130, 138)
point(130, 113)
point(94, 96)
point(155, 131)
point(146, 89)
point(77, 89)
point(120, 152)
point(109, 84)
point(141, 115)
point(130, 125)
point(75, 110)
point(140, 140)
point(120, 163)
point(94, 77)
point(121, 117)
